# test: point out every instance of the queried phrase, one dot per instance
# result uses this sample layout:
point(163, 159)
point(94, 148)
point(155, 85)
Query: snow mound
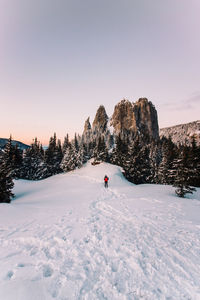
point(67, 237)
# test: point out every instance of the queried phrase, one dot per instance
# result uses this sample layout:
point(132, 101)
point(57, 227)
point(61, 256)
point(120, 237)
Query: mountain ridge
point(182, 133)
point(21, 145)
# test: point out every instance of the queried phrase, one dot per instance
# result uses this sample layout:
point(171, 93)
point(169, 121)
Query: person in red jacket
point(106, 181)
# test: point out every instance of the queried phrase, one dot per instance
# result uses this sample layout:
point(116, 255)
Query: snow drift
point(67, 237)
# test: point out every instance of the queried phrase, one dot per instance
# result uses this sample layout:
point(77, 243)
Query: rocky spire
point(146, 117)
point(100, 120)
point(140, 116)
point(123, 116)
point(87, 125)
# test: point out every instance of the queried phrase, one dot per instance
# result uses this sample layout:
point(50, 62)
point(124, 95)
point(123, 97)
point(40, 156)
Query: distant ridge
point(21, 145)
point(183, 132)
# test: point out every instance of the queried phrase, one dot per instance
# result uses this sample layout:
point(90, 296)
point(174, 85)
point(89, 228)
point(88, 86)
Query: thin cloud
point(186, 104)
point(193, 100)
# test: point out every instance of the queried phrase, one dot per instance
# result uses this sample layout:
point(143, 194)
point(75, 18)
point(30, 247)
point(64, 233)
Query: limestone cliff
point(138, 117)
point(123, 116)
point(100, 121)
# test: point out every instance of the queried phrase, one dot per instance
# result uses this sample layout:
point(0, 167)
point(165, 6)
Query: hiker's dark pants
point(106, 184)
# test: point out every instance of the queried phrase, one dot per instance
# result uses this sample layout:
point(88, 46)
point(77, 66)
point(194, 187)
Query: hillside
point(21, 145)
point(67, 237)
point(183, 132)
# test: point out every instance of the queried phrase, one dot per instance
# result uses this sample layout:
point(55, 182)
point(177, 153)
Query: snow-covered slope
point(67, 237)
point(182, 133)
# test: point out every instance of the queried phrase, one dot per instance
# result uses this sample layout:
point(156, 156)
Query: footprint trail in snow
point(124, 242)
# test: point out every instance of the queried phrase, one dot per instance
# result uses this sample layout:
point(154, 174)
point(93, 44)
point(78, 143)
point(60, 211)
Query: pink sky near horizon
point(60, 60)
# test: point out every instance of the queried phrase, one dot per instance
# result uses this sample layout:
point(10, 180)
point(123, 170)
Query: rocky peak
point(140, 116)
point(146, 117)
point(123, 116)
point(87, 125)
point(100, 120)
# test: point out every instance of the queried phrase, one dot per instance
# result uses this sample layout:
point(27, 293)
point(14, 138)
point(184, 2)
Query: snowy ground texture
point(67, 237)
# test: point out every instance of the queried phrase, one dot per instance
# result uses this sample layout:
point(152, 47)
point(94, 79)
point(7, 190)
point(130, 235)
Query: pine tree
point(182, 174)
point(13, 158)
point(34, 166)
point(155, 160)
point(119, 154)
point(17, 161)
point(6, 183)
point(169, 154)
point(58, 157)
point(50, 152)
point(139, 168)
point(100, 151)
point(8, 155)
point(194, 163)
point(69, 161)
point(54, 155)
point(129, 167)
point(81, 156)
point(66, 144)
point(75, 142)
point(163, 169)
point(6, 173)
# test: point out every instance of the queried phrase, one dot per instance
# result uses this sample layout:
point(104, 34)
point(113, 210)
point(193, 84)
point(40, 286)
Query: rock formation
point(87, 133)
point(87, 125)
point(100, 120)
point(123, 117)
point(138, 117)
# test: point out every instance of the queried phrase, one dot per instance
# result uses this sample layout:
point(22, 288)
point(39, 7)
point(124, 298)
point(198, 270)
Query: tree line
point(143, 160)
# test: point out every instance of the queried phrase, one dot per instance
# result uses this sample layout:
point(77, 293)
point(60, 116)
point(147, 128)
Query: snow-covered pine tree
point(119, 155)
point(69, 161)
point(91, 148)
point(6, 173)
point(13, 157)
point(134, 148)
point(81, 156)
point(42, 150)
point(17, 161)
point(182, 173)
point(8, 155)
point(75, 143)
point(165, 169)
point(53, 155)
point(155, 160)
point(6, 183)
point(84, 147)
point(58, 157)
point(66, 144)
point(34, 166)
point(140, 168)
point(50, 151)
point(100, 151)
point(194, 163)
point(145, 165)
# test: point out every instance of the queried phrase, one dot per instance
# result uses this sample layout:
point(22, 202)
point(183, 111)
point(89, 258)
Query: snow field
point(67, 237)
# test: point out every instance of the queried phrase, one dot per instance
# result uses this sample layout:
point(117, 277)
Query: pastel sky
point(61, 59)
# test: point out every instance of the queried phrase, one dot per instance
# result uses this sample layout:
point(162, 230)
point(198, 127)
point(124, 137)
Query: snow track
point(124, 242)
